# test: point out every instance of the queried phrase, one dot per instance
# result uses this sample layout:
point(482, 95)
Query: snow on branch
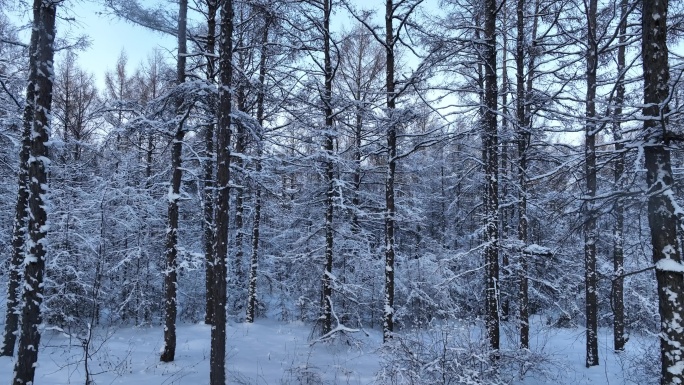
point(157, 19)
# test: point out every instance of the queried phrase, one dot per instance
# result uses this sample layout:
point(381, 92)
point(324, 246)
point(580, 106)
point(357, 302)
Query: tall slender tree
point(662, 216)
point(217, 375)
point(491, 165)
point(390, 210)
point(523, 120)
point(21, 206)
point(171, 271)
point(617, 290)
point(244, 57)
point(208, 167)
point(45, 12)
point(260, 118)
point(590, 212)
point(329, 168)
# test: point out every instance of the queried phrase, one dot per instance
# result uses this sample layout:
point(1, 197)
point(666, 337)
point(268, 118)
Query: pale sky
point(109, 35)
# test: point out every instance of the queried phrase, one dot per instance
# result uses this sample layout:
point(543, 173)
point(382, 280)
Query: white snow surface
point(270, 352)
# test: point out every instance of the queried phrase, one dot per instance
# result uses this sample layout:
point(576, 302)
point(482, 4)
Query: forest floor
point(269, 352)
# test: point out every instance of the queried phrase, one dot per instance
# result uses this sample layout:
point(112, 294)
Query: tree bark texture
point(239, 180)
point(208, 168)
point(171, 272)
point(20, 214)
point(523, 137)
point(254, 260)
point(590, 213)
point(388, 311)
point(34, 262)
point(617, 289)
point(491, 164)
point(217, 373)
point(329, 177)
point(661, 206)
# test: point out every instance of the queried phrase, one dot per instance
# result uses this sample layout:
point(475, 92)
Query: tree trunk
point(329, 177)
point(20, 213)
point(590, 213)
point(524, 117)
point(661, 207)
point(254, 260)
point(239, 180)
point(505, 212)
point(388, 313)
point(491, 196)
point(208, 194)
point(523, 138)
point(171, 271)
point(34, 262)
point(617, 288)
point(217, 373)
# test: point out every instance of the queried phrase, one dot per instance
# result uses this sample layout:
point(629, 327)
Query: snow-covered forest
point(345, 192)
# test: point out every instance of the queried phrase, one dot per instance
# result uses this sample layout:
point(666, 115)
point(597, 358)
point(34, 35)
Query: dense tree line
point(504, 162)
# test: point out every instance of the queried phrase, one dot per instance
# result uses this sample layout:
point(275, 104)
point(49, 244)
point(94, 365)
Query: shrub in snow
point(455, 354)
point(642, 362)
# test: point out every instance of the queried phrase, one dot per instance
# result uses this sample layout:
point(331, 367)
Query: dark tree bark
point(239, 174)
point(254, 260)
point(523, 140)
point(661, 206)
point(507, 211)
point(590, 213)
point(208, 168)
point(491, 164)
point(217, 374)
point(329, 177)
point(617, 288)
point(388, 313)
point(171, 271)
point(34, 262)
point(524, 117)
point(20, 212)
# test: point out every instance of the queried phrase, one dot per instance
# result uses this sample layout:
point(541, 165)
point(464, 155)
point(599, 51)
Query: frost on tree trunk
point(590, 213)
point(34, 261)
point(491, 164)
point(20, 215)
point(217, 372)
point(388, 311)
point(662, 209)
point(171, 271)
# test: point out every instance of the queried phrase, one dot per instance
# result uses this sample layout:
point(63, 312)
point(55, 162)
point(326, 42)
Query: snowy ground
point(269, 352)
